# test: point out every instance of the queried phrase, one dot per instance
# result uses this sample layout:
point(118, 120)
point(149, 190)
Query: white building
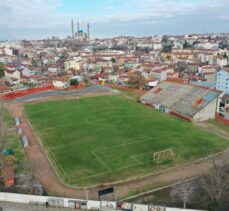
point(8, 52)
point(221, 61)
point(157, 46)
point(60, 84)
point(72, 64)
point(161, 74)
point(5, 59)
point(222, 80)
point(208, 45)
point(15, 74)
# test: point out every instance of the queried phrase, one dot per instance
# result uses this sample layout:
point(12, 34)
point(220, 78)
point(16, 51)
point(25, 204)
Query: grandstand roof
point(185, 99)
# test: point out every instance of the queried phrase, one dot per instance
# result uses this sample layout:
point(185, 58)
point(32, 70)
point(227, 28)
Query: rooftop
point(182, 98)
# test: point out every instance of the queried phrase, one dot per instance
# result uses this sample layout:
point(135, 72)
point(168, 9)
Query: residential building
point(13, 74)
point(221, 61)
point(161, 74)
point(72, 64)
point(222, 80)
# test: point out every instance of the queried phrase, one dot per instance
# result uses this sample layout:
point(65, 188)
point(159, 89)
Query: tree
point(225, 55)
point(195, 42)
point(34, 62)
point(147, 50)
point(167, 48)
point(74, 81)
point(165, 38)
point(187, 45)
point(86, 78)
point(137, 80)
point(2, 69)
point(181, 67)
point(117, 70)
point(183, 191)
point(168, 57)
point(64, 55)
point(216, 184)
point(223, 44)
point(113, 60)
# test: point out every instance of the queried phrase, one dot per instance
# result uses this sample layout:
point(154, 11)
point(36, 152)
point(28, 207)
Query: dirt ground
point(46, 174)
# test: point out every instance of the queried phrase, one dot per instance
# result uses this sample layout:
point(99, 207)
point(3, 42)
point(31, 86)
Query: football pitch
point(104, 139)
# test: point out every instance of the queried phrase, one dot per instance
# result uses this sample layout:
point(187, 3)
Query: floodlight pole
point(86, 193)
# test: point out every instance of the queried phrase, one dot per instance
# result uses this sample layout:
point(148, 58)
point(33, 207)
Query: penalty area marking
point(125, 167)
point(136, 142)
point(101, 161)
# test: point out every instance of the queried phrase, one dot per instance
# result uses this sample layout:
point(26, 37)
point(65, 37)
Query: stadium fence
point(126, 88)
point(81, 203)
point(21, 93)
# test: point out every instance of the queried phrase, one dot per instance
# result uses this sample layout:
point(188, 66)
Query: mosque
point(80, 35)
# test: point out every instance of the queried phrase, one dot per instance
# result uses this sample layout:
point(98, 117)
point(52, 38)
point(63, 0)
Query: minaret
point(88, 30)
point(73, 28)
point(78, 26)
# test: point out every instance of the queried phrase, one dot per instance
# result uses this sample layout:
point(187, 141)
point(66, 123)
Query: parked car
point(222, 109)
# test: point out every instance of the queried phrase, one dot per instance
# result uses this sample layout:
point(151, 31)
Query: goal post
point(164, 155)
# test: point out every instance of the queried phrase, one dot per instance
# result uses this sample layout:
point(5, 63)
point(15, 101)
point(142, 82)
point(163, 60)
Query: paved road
point(59, 93)
point(6, 206)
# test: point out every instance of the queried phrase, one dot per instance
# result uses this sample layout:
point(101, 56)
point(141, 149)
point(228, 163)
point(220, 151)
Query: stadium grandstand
point(193, 103)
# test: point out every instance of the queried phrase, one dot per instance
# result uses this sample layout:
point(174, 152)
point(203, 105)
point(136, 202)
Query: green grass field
point(109, 138)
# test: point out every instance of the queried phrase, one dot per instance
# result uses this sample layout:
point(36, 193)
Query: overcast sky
point(35, 19)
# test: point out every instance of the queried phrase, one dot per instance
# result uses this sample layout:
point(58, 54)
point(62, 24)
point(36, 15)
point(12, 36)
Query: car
point(222, 109)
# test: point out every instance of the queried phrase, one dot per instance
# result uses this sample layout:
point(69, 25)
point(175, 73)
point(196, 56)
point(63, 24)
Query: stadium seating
point(184, 99)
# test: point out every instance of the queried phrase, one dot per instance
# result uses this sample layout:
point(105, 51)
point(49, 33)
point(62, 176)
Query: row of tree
point(215, 185)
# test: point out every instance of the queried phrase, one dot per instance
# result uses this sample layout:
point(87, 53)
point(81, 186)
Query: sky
point(37, 19)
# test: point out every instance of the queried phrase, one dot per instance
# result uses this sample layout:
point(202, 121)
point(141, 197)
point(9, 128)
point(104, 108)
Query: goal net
point(164, 155)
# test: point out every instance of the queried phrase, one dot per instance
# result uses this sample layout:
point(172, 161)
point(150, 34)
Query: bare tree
point(183, 191)
point(86, 77)
point(216, 184)
point(137, 80)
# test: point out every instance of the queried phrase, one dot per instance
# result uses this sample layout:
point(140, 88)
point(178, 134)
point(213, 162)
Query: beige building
point(13, 74)
point(72, 64)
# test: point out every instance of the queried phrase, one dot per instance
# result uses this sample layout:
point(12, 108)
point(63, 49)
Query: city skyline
point(45, 18)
